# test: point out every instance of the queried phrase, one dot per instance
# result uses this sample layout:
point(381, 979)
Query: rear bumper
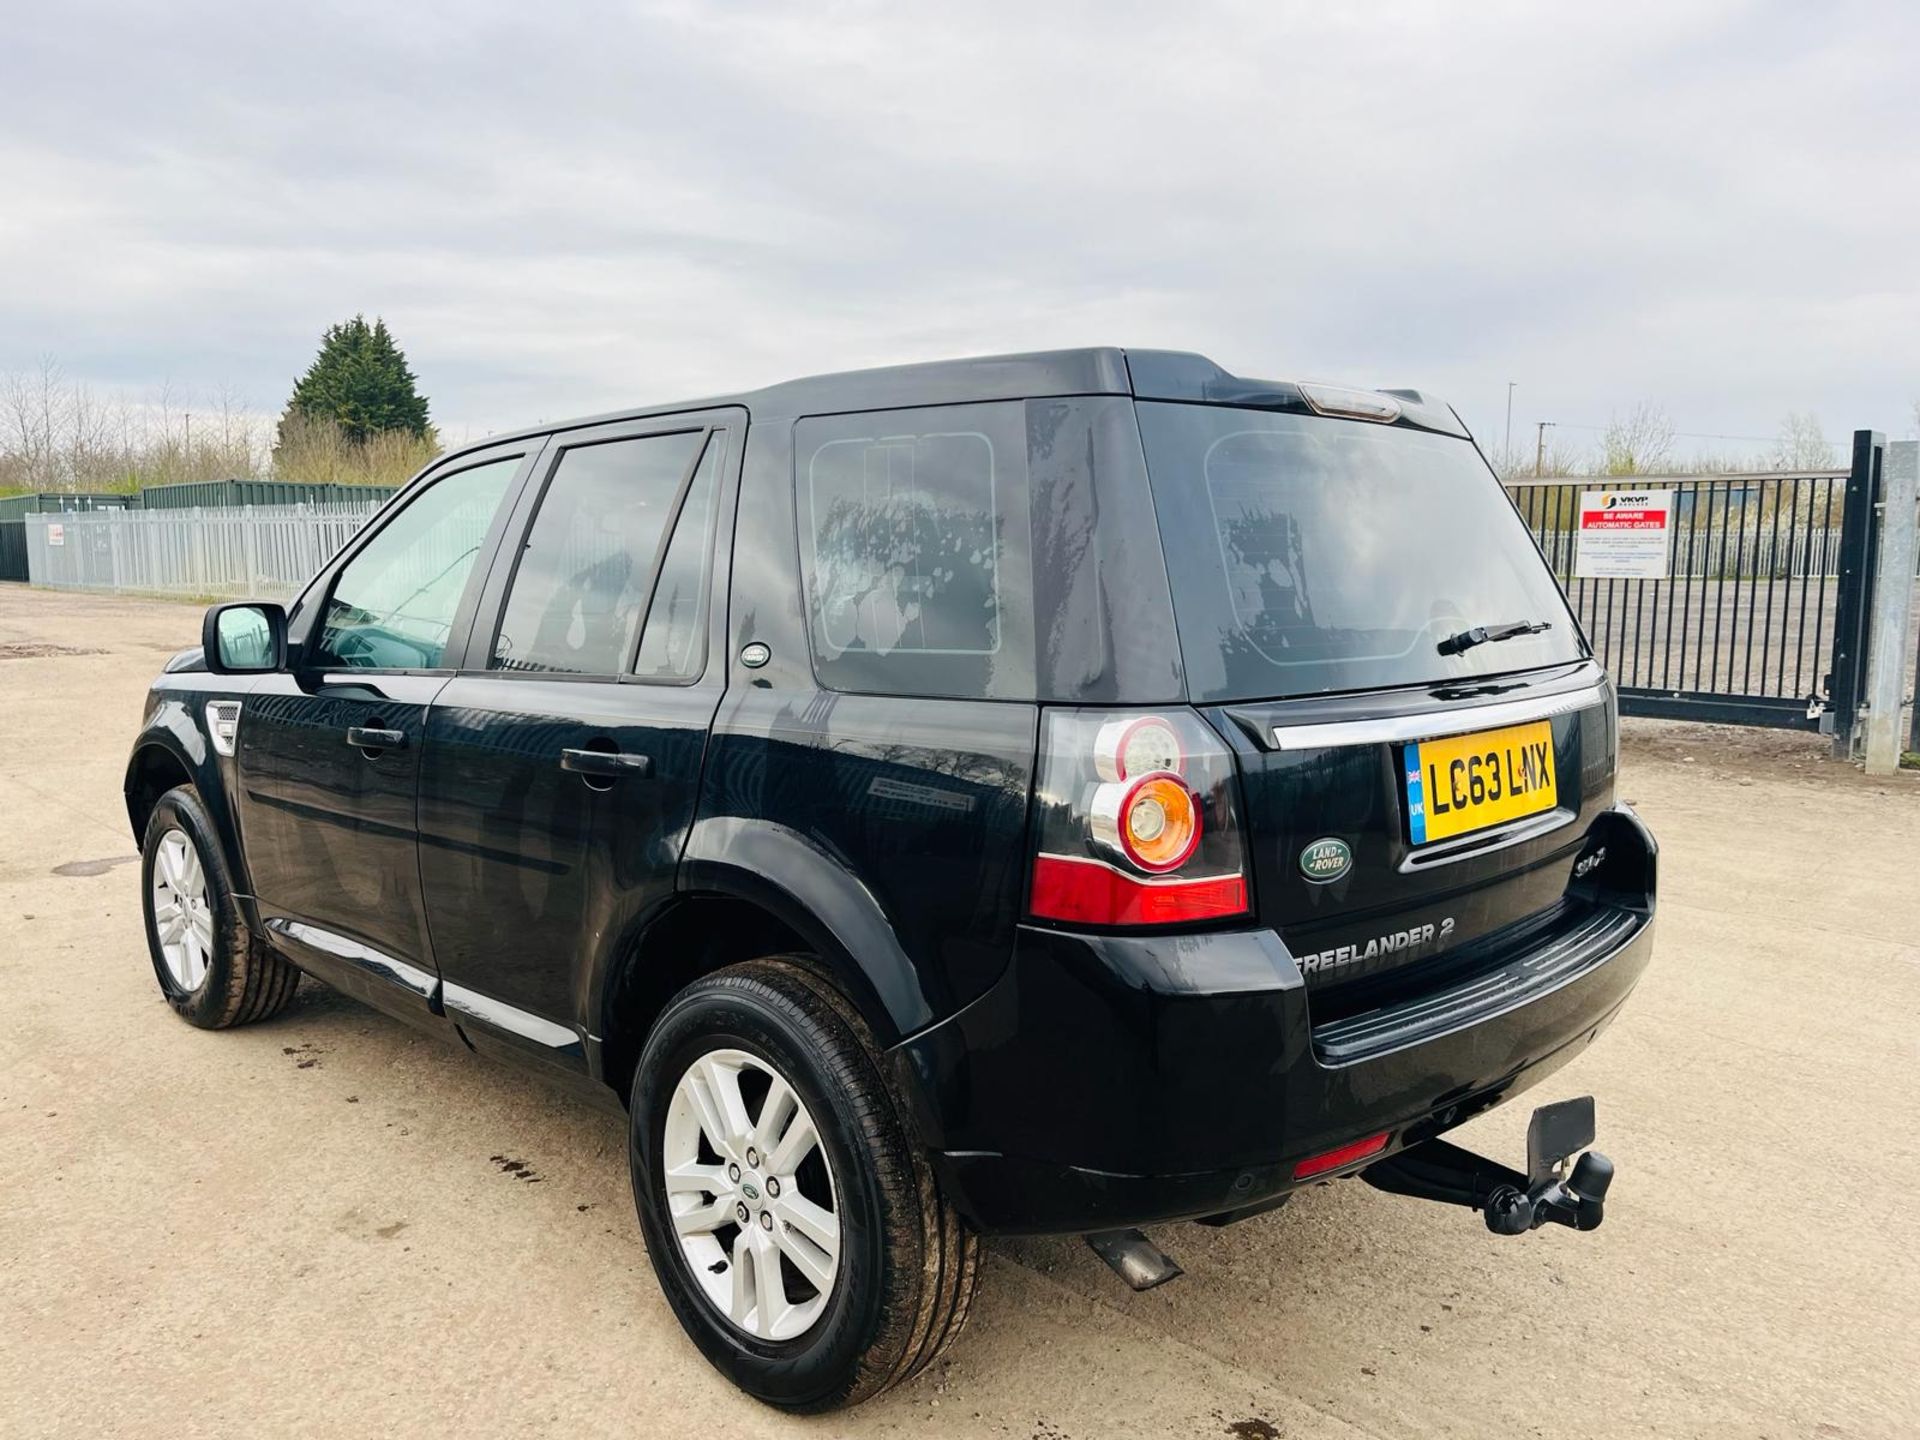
point(1108, 1081)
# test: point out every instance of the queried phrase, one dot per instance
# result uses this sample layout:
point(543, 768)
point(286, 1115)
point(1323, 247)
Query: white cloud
point(561, 209)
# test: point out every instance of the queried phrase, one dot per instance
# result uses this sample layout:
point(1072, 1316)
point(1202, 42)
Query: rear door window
point(585, 571)
point(1311, 554)
point(674, 644)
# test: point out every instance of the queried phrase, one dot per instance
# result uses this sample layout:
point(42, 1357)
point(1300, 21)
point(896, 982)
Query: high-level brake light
point(1351, 404)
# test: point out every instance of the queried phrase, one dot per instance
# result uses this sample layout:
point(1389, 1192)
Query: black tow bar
point(1512, 1203)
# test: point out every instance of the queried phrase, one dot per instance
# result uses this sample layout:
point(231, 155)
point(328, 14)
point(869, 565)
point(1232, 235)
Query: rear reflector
point(1085, 892)
point(1333, 1159)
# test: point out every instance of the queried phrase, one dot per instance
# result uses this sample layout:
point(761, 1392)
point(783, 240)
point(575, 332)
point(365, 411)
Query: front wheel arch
point(152, 772)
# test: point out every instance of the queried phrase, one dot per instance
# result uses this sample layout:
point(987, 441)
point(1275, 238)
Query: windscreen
point(1311, 554)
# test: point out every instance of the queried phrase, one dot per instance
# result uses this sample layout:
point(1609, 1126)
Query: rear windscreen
point(1310, 554)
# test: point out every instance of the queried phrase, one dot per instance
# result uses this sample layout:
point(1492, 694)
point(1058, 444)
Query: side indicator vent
point(223, 725)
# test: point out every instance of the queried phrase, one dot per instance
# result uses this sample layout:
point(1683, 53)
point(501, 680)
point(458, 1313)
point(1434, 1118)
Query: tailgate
point(1387, 830)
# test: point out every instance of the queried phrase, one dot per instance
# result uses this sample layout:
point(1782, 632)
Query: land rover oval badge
point(1326, 860)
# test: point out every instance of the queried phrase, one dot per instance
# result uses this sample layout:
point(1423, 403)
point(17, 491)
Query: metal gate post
point(1892, 605)
point(1859, 533)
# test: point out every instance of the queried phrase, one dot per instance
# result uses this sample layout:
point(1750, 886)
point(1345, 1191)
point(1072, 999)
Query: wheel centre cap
point(750, 1190)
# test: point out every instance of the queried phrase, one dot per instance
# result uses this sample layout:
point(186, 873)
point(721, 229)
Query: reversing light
point(1352, 404)
point(1342, 1155)
point(1152, 822)
point(1137, 745)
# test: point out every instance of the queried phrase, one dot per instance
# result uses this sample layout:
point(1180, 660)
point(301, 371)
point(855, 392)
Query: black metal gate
point(1761, 616)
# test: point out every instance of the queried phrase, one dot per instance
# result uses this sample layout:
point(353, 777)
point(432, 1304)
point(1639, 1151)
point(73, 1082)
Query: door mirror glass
point(244, 639)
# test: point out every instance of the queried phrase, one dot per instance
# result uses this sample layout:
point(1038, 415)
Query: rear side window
point(993, 552)
point(1311, 554)
point(916, 550)
point(585, 570)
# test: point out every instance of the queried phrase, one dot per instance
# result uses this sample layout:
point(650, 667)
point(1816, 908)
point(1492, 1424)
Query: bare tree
point(32, 418)
point(313, 448)
point(59, 434)
point(1801, 444)
point(1639, 442)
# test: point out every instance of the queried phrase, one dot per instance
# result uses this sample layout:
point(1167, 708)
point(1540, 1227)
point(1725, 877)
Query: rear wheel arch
point(703, 932)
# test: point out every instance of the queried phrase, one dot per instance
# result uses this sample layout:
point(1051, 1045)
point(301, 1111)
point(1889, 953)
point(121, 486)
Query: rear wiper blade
point(1489, 634)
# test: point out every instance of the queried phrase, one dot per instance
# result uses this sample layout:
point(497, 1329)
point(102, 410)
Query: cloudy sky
point(560, 209)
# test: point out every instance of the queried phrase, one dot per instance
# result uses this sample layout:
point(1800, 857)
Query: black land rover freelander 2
point(1043, 793)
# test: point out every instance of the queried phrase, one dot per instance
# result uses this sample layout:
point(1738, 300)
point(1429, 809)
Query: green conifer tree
point(360, 382)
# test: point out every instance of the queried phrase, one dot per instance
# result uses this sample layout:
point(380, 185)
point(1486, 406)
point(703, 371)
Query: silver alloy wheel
point(182, 915)
point(763, 1220)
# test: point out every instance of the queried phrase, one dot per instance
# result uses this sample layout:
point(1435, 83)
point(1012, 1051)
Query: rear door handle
point(365, 737)
point(606, 763)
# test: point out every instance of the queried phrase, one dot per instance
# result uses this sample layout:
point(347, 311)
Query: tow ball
point(1513, 1204)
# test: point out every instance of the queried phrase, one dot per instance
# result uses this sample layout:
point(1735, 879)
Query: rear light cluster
point(1136, 821)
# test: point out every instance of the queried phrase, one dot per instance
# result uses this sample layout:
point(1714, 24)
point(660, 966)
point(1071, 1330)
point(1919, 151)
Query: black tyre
point(798, 1234)
point(212, 970)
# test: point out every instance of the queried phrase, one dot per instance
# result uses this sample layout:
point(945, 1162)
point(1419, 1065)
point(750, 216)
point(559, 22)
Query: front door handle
point(366, 737)
point(607, 764)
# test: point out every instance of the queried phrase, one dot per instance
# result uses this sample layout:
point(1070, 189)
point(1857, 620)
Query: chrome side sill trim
point(461, 1001)
point(1432, 725)
point(374, 962)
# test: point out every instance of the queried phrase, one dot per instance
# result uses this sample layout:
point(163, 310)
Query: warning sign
point(1623, 535)
point(56, 533)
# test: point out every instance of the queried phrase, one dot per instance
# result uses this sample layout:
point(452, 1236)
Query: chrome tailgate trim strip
point(1433, 725)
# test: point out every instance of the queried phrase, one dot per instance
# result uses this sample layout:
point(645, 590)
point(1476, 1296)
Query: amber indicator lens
point(1153, 822)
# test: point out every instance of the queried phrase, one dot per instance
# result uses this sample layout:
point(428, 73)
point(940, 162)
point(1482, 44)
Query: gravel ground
point(316, 1226)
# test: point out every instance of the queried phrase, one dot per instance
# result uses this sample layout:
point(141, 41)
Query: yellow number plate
point(1467, 782)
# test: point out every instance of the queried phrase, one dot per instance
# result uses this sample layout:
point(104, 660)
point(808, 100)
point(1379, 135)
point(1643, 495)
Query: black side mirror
point(249, 638)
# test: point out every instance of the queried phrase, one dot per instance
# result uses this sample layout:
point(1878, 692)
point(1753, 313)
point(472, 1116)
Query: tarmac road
point(328, 1226)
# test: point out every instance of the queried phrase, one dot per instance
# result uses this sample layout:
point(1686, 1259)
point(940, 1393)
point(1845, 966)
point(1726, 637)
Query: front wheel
point(799, 1236)
point(212, 970)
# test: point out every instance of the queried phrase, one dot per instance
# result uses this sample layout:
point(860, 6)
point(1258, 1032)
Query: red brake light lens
point(1088, 893)
point(1137, 821)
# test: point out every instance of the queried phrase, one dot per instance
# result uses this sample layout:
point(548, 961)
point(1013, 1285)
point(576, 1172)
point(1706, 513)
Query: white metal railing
point(268, 551)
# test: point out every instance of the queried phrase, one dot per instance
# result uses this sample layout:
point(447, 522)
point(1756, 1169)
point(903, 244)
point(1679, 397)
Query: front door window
point(393, 606)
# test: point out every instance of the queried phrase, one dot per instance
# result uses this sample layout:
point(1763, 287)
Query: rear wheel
point(212, 970)
point(799, 1236)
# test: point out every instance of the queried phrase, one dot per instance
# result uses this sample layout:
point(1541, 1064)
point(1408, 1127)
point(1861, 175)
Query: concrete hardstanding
point(330, 1226)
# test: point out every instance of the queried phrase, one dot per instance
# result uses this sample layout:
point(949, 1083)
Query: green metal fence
point(14, 510)
point(208, 494)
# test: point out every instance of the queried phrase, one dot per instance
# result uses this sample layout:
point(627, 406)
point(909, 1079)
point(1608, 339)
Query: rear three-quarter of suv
point(1050, 793)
